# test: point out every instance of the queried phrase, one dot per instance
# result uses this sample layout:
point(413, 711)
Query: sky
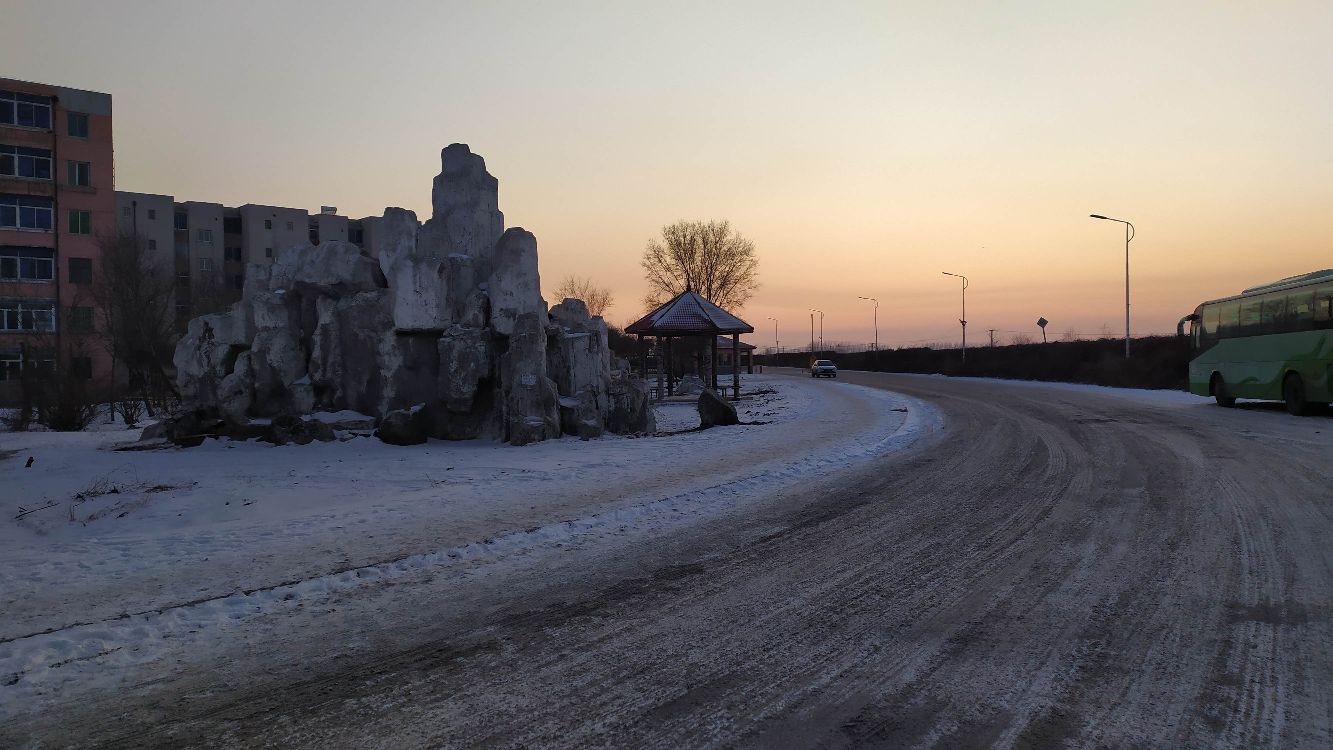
point(864, 147)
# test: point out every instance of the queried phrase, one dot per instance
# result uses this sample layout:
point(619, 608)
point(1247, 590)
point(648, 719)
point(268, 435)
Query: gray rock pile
point(440, 330)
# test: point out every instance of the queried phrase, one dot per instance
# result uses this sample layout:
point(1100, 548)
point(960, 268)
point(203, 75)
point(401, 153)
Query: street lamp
point(1129, 235)
point(962, 320)
point(776, 348)
point(821, 327)
point(876, 319)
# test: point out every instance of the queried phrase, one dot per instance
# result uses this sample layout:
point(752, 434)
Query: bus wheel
point(1220, 392)
point(1293, 392)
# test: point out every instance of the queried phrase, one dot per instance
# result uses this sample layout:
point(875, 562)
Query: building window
point(11, 366)
point(27, 315)
point(205, 265)
point(80, 271)
point(80, 320)
point(77, 124)
point(268, 252)
point(26, 212)
point(290, 226)
point(125, 212)
point(238, 281)
point(268, 223)
point(80, 173)
point(81, 367)
point(205, 236)
point(33, 163)
point(152, 214)
point(182, 221)
point(27, 264)
point(80, 222)
point(25, 110)
point(233, 254)
point(152, 244)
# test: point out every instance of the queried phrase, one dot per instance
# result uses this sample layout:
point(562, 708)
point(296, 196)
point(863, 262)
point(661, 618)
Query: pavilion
point(689, 315)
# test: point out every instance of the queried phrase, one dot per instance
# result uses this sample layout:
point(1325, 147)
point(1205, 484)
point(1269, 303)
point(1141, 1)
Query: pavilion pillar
point(712, 359)
point(671, 371)
point(735, 366)
point(643, 359)
point(657, 347)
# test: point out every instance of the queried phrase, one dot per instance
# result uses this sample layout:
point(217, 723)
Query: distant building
point(56, 198)
point(208, 245)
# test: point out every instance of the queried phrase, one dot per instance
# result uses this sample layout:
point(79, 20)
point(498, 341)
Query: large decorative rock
point(465, 214)
point(442, 332)
point(514, 285)
point(236, 392)
point(631, 409)
point(206, 354)
point(715, 410)
point(531, 402)
point(465, 362)
point(332, 268)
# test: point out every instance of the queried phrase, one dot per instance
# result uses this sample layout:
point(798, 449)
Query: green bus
point(1272, 342)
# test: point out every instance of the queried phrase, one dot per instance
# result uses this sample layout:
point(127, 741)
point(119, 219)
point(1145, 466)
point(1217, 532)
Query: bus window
point(1323, 307)
point(1210, 317)
point(1300, 310)
point(1275, 313)
point(1228, 320)
point(1250, 316)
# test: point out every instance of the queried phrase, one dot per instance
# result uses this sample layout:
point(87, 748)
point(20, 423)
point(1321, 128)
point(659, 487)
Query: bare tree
point(709, 258)
point(135, 296)
point(1020, 339)
point(597, 298)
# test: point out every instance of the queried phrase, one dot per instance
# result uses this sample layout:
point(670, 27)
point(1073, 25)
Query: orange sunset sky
point(864, 147)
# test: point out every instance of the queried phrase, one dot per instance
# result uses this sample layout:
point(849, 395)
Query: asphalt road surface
point(1054, 568)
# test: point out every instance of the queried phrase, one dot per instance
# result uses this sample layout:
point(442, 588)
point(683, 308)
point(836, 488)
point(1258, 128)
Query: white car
point(823, 368)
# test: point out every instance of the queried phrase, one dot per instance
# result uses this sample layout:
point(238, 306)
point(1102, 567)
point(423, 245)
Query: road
point(1055, 567)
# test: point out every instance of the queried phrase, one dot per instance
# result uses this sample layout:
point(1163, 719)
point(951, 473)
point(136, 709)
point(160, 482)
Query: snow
point(137, 558)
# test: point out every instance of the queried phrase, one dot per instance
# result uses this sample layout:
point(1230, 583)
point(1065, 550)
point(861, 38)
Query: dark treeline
point(1157, 361)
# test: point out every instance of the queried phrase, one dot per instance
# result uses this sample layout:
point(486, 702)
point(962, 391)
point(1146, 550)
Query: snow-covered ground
point(114, 559)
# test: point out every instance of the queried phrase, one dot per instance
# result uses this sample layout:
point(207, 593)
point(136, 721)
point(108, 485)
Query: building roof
point(724, 342)
point(688, 314)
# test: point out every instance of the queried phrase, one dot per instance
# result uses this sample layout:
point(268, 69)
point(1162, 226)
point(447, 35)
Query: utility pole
point(992, 337)
point(812, 334)
point(821, 327)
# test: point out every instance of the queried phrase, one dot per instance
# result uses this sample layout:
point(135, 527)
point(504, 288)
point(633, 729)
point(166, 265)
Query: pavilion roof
point(688, 314)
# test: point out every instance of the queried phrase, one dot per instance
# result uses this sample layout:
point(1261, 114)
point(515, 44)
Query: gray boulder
point(715, 410)
point(404, 426)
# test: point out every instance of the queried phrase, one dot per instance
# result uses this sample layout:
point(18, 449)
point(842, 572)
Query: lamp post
point(821, 327)
point(875, 356)
point(962, 320)
point(1129, 235)
point(776, 348)
point(812, 334)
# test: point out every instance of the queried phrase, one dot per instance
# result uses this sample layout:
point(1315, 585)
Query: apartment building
point(57, 184)
point(207, 246)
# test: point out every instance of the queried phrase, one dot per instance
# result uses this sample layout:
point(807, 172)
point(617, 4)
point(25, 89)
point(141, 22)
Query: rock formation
point(439, 331)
